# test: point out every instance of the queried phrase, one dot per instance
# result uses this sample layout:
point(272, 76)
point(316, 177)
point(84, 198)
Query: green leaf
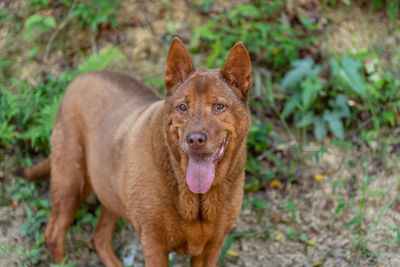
point(367, 182)
point(319, 129)
point(340, 106)
point(306, 120)
point(214, 54)
point(229, 241)
point(37, 23)
point(50, 22)
point(291, 234)
point(252, 186)
point(225, 248)
point(388, 116)
point(392, 10)
point(291, 105)
point(349, 73)
point(303, 237)
point(258, 204)
point(300, 69)
point(33, 52)
point(291, 207)
point(398, 238)
point(341, 143)
point(311, 86)
point(355, 220)
point(245, 10)
point(335, 124)
point(99, 61)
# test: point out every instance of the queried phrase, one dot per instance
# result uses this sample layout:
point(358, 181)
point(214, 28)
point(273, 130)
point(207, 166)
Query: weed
point(5, 251)
point(361, 235)
point(64, 264)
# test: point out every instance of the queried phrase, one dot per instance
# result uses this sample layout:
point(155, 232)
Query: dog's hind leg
point(69, 187)
point(102, 239)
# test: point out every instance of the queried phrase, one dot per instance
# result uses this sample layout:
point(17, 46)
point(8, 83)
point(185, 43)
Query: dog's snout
point(196, 139)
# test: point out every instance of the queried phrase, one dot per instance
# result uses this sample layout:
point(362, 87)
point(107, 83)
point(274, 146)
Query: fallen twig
point(59, 28)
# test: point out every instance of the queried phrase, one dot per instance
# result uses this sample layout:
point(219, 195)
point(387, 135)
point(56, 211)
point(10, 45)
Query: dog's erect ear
point(237, 69)
point(178, 66)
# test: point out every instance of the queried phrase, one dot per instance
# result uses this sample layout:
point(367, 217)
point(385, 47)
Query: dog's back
point(99, 111)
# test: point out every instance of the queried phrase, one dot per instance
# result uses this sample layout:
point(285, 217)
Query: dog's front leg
point(154, 254)
point(209, 256)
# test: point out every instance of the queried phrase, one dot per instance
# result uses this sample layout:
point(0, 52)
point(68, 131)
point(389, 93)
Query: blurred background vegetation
point(326, 79)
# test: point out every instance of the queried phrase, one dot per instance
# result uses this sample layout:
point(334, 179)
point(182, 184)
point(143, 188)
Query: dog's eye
point(182, 107)
point(219, 107)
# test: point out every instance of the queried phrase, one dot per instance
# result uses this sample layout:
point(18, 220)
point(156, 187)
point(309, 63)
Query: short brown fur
point(115, 136)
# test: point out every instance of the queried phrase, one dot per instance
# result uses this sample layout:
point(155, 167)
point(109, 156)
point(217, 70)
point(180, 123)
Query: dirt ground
point(327, 241)
point(315, 203)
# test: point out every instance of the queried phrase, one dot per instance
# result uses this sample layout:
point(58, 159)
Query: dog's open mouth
point(201, 169)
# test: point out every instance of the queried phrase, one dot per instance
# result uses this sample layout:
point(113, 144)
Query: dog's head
point(207, 114)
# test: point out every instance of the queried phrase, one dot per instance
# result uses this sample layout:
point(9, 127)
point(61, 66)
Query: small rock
point(4, 219)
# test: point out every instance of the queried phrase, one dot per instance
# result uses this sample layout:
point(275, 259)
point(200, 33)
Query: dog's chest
point(192, 238)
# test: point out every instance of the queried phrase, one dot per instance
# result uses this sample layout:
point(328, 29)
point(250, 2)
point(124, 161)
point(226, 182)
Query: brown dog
point(174, 168)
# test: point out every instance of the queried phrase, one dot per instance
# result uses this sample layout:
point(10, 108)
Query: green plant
point(382, 94)
point(291, 234)
point(27, 118)
point(38, 4)
point(291, 207)
point(275, 44)
point(8, 109)
point(229, 240)
point(64, 264)
point(205, 5)
point(258, 205)
point(5, 251)
point(362, 231)
point(257, 144)
point(92, 13)
point(37, 23)
point(32, 255)
point(306, 101)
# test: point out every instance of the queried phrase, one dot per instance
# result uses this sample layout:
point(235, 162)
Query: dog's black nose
point(196, 139)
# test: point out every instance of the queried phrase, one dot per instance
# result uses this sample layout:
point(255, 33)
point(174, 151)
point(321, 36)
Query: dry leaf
point(14, 203)
point(319, 177)
point(278, 237)
point(316, 263)
point(276, 218)
point(329, 171)
point(232, 253)
point(312, 241)
point(275, 183)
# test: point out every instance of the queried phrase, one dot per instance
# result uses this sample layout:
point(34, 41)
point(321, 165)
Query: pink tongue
point(200, 174)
